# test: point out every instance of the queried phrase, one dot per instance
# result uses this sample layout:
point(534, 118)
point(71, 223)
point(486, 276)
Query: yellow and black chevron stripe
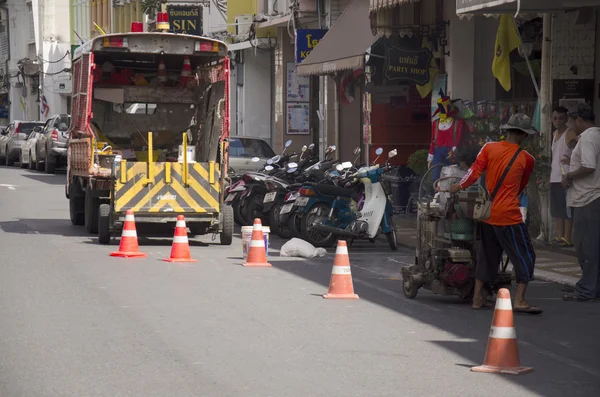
point(163, 188)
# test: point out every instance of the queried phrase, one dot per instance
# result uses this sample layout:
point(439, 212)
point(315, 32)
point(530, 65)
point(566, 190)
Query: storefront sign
point(306, 41)
point(464, 6)
point(569, 92)
point(411, 65)
point(186, 19)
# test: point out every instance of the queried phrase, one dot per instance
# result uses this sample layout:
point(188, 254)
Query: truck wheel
point(409, 287)
point(91, 213)
point(104, 224)
point(226, 236)
point(48, 164)
point(76, 204)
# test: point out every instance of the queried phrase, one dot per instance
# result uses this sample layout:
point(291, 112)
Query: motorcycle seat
point(332, 190)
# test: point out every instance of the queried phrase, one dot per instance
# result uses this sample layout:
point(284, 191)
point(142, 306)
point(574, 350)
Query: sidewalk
point(555, 265)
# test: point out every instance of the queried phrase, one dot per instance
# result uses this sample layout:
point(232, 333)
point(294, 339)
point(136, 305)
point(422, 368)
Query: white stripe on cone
point(341, 270)
point(503, 304)
point(257, 243)
point(129, 218)
point(180, 224)
point(341, 250)
point(257, 227)
point(503, 332)
point(129, 233)
point(180, 239)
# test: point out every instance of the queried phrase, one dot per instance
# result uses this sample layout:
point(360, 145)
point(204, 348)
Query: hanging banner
point(185, 19)
point(407, 65)
point(306, 41)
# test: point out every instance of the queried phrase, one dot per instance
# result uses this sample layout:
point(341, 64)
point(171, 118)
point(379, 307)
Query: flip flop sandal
point(528, 310)
point(486, 306)
point(575, 298)
point(565, 243)
point(555, 241)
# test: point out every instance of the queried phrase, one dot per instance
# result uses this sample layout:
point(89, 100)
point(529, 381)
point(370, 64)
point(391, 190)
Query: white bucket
point(247, 237)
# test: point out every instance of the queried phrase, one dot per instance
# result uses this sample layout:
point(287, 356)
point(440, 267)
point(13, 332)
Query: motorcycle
point(374, 216)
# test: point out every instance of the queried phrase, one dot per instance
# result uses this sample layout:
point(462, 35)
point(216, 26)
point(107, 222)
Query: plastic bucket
point(247, 237)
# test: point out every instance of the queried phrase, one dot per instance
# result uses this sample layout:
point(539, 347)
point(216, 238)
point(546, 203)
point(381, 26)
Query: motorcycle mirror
point(393, 153)
point(346, 165)
point(304, 148)
point(379, 151)
point(255, 159)
point(288, 143)
point(292, 170)
point(292, 165)
point(333, 148)
point(270, 161)
point(357, 150)
point(269, 168)
point(339, 167)
point(311, 146)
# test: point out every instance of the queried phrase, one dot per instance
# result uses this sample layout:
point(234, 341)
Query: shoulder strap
point(508, 167)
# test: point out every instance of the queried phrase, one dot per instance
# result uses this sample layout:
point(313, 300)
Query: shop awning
point(525, 6)
point(344, 45)
point(378, 4)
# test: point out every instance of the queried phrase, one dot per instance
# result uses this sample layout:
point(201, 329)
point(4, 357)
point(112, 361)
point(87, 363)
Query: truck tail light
point(162, 21)
point(54, 135)
point(137, 27)
point(17, 128)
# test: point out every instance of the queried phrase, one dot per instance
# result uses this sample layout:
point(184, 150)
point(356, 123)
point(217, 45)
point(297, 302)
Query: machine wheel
point(76, 204)
point(104, 224)
point(91, 213)
point(409, 287)
point(48, 164)
point(294, 224)
point(277, 227)
point(226, 235)
point(391, 236)
point(317, 212)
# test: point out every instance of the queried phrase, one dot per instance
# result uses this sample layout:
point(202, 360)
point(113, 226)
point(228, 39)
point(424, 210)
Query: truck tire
point(104, 224)
point(91, 213)
point(226, 235)
point(76, 204)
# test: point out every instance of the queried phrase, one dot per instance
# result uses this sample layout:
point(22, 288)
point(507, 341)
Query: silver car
point(16, 134)
point(51, 147)
point(243, 149)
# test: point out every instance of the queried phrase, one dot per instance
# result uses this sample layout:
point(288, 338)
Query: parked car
point(243, 149)
point(10, 146)
point(51, 147)
point(28, 149)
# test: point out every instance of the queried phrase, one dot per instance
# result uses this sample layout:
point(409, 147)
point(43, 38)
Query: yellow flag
point(424, 90)
point(507, 39)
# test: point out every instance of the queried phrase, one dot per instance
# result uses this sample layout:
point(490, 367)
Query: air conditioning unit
point(278, 7)
point(63, 86)
point(242, 24)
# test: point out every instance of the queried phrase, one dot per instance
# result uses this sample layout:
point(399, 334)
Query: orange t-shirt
point(494, 158)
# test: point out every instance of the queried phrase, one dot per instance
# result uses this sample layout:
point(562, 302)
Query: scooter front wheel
point(391, 236)
point(294, 224)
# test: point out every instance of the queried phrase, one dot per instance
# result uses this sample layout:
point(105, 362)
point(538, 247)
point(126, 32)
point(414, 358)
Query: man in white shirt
point(583, 195)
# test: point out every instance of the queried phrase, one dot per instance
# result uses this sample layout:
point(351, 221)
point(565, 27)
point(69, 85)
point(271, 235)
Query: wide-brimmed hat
point(521, 122)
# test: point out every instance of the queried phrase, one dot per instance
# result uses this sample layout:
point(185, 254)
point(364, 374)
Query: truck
point(149, 133)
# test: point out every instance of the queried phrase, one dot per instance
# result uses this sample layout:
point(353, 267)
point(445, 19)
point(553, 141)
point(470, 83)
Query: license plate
point(301, 201)
point(286, 208)
point(230, 197)
point(270, 197)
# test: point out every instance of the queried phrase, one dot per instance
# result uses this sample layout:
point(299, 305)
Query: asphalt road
point(76, 322)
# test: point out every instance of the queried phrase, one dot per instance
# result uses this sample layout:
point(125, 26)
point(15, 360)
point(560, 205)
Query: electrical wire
point(57, 61)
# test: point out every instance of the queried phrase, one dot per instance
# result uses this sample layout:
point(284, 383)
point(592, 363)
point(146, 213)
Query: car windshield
point(244, 147)
point(27, 128)
point(64, 119)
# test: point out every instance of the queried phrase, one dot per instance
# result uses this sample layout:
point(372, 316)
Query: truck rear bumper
point(164, 219)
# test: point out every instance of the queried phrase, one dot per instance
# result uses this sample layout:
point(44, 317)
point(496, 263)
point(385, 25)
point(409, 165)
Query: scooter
point(374, 217)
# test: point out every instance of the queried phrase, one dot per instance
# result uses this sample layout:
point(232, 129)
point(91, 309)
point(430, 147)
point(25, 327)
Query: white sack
point(302, 249)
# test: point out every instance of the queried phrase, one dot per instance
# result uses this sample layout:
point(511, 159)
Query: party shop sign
point(412, 65)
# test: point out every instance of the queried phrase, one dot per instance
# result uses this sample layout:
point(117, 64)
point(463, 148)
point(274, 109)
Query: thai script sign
point(306, 41)
point(412, 65)
point(185, 19)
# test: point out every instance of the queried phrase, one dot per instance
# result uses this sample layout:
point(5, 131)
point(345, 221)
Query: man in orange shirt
point(504, 230)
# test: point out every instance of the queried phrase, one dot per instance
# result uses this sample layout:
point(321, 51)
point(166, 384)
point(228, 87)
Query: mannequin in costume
point(446, 133)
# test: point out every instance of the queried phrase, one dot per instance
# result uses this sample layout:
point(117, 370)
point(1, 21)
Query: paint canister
point(247, 237)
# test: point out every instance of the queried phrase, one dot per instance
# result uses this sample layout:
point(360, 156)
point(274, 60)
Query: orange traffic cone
point(180, 251)
point(257, 254)
point(162, 73)
point(186, 72)
point(502, 353)
point(340, 285)
point(128, 247)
